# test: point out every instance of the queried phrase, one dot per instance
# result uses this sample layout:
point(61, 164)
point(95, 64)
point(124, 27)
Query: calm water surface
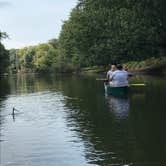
point(68, 121)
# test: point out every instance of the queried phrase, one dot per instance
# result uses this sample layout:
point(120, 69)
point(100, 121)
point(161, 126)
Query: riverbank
point(152, 65)
point(148, 66)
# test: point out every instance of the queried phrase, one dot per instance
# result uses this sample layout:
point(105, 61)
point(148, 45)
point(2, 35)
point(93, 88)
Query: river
point(69, 121)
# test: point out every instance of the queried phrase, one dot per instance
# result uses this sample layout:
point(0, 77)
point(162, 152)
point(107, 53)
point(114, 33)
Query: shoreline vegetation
point(148, 66)
point(96, 34)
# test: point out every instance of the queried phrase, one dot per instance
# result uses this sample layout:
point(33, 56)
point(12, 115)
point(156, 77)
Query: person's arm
point(111, 77)
point(108, 75)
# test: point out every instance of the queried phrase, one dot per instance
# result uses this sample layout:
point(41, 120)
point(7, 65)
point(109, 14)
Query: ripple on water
point(39, 134)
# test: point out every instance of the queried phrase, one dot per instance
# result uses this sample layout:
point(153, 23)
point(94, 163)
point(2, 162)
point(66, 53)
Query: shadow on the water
point(4, 87)
point(118, 131)
point(100, 122)
point(4, 92)
point(114, 131)
point(119, 106)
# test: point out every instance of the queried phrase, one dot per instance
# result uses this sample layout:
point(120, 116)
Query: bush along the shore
point(150, 65)
point(98, 33)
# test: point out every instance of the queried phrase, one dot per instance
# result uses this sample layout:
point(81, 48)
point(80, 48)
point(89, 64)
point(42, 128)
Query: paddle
point(137, 84)
point(105, 79)
point(101, 79)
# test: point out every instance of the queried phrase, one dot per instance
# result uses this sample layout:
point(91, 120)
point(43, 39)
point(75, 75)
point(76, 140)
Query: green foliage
point(4, 59)
point(4, 55)
point(3, 35)
point(99, 32)
point(40, 58)
point(54, 43)
point(150, 64)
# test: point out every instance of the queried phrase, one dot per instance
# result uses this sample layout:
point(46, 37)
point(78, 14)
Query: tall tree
point(4, 55)
point(101, 31)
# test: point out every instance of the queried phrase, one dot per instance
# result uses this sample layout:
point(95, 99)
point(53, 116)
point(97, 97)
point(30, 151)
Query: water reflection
point(101, 123)
point(29, 83)
point(119, 106)
point(69, 121)
point(4, 92)
point(117, 131)
point(4, 87)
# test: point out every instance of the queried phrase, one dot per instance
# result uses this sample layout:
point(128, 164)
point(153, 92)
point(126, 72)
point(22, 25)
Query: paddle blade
point(137, 84)
point(102, 79)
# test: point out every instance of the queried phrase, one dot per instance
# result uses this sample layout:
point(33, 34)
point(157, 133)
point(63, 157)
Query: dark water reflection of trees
point(117, 131)
point(4, 87)
point(4, 91)
point(113, 130)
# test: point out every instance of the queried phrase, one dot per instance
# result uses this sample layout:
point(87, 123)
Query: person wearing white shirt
point(110, 72)
point(119, 77)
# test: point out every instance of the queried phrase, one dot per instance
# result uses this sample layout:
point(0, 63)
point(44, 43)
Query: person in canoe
point(110, 72)
point(119, 77)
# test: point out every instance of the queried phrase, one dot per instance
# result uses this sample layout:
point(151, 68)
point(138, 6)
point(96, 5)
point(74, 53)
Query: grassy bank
point(147, 66)
point(152, 65)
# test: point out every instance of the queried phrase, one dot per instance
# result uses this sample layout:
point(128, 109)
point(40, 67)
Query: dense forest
point(98, 33)
point(4, 54)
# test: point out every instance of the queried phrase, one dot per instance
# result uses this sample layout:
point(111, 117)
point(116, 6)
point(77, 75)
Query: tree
point(4, 54)
point(102, 31)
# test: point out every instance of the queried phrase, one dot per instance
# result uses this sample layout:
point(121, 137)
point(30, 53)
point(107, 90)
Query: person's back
point(110, 72)
point(119, 77)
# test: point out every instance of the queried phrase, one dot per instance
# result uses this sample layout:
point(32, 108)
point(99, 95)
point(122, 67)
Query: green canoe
point(116, 91)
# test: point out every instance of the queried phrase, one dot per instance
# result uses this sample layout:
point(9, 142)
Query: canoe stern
point(116, 91)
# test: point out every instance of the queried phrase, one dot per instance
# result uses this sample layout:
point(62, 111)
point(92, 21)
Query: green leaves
point(4, 54)
point(102, 31)
point(3, 35)
point(38, 58)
